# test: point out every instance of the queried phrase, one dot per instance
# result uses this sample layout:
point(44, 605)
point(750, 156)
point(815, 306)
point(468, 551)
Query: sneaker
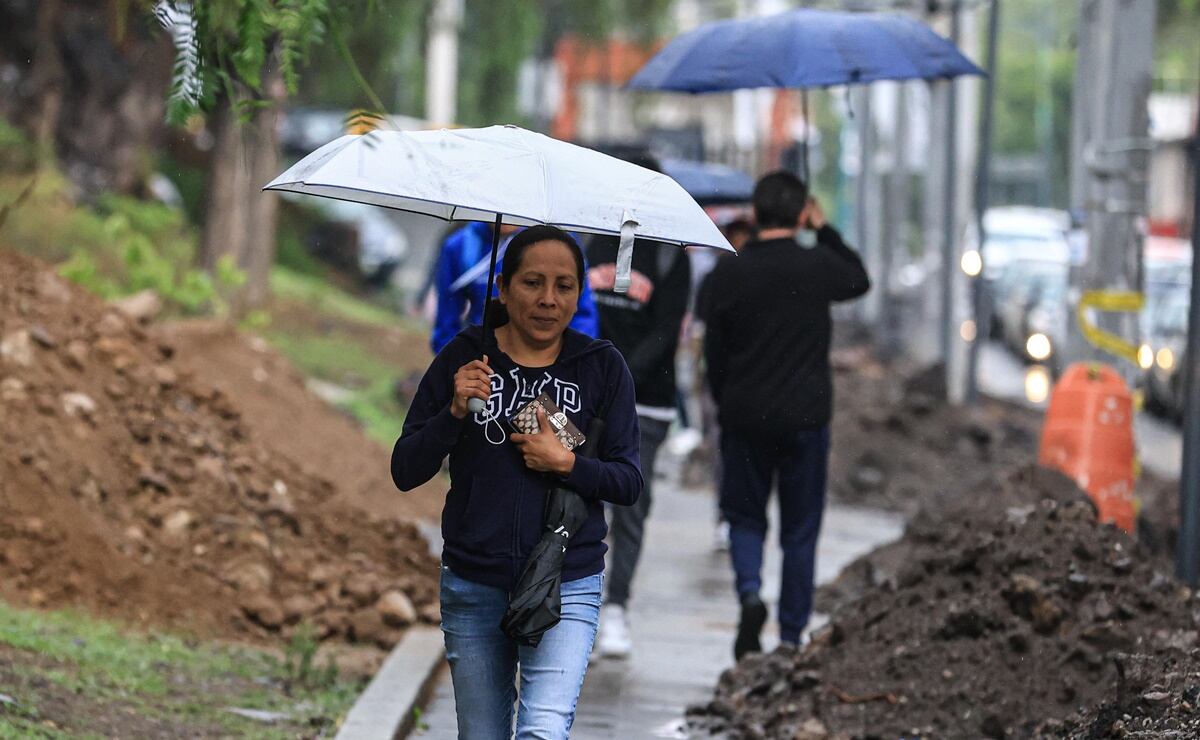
point(721, 537)
point(754, 616)
point(614, 640)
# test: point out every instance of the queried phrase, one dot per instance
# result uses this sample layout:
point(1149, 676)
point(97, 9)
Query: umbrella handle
point(477, 405)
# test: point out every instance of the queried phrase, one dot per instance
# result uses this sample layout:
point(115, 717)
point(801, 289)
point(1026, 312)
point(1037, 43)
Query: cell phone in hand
point(525, 421)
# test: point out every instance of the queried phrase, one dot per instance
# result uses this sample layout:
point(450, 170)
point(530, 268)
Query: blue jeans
point(483, 661)
point(800, 463)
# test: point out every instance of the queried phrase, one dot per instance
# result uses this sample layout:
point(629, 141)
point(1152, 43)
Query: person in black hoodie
point(499, 482)
point(767, 350)
point(644, 324)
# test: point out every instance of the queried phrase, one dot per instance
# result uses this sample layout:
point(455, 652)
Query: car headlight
point(1038, 346)
point(1145, 357)
point(1165, 358)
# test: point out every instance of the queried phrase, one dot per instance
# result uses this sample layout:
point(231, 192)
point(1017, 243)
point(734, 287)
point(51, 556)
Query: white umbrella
point(506, 175)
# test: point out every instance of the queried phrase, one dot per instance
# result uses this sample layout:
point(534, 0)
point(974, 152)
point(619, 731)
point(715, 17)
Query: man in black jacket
point(644, 324)
point(767, 351)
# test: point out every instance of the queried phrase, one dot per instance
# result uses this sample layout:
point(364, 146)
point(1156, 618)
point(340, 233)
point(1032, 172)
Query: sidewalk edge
point(384, 711)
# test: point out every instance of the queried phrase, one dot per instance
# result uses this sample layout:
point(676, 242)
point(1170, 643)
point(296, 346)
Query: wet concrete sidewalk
point(683, 614)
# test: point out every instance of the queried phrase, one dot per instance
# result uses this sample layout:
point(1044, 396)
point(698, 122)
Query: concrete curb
point(385, 710)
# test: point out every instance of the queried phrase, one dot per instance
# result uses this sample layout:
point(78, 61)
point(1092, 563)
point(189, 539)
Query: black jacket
point(768, 329)
point(643, 323)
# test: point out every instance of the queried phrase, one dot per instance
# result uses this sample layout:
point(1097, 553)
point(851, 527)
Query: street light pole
point(1188, 566)
point(981, 303)
point(949, 241)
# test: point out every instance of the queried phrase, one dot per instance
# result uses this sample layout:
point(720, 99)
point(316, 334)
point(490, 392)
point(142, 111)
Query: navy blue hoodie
point(494, 511)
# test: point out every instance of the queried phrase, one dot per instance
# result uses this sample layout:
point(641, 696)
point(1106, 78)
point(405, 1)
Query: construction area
point(202, 380)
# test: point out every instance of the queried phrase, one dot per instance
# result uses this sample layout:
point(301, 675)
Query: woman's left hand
point(542, 451)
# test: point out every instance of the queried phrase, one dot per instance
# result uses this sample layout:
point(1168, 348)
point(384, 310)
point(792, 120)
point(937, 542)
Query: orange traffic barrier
point(1088, 435)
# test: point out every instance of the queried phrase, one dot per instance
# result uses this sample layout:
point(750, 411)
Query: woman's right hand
point(473, 380)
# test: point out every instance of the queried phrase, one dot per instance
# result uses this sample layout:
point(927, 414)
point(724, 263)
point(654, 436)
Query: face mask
point(806, 238)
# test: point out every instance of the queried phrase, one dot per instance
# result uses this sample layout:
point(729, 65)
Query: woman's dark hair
point(515, 252)
point(527, 238)
point(778, 200)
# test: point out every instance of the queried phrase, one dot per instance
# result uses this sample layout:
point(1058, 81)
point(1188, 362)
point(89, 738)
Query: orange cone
point(1088, 435)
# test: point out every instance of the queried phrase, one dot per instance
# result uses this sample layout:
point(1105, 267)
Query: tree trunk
point(91, 99)
point(265, 166)
point(47, 76)
point(240, 219)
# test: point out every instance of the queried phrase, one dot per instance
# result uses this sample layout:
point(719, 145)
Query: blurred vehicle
point(1016, 292)
point(1017, 235)
point(1045, 334)
point(1168, 267)
point(1167, 339)
point(376, 247)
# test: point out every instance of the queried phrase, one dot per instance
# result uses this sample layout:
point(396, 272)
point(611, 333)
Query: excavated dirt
point(998, 622)
point(1157, 696)
point(897, 446)
point(278, 408)
point(1005, 610)
point(130, 487)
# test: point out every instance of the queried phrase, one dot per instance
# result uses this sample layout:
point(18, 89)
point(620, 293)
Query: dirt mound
point(999, 619)
point(1156, 696)
point(279, 410)
point(897, 445)
point(130, 488)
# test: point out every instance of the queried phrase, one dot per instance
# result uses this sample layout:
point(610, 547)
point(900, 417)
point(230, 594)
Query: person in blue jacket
point(460, 280)
point(500, 480)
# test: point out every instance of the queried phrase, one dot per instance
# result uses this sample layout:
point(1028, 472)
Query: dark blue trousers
point(799, 464)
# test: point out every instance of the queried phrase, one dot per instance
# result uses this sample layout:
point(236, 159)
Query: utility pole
point(867, 216)
point(949, 213)
point(1189, 479)
point(896, 218)
point(441, 67)
point(1110, 153)
point(982, 304)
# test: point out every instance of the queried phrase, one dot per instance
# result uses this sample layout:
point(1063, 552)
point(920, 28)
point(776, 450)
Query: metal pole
point(864, 231)
point(980, 296)
point(895, 207)
point(804, 151)
point(1188, 555)
point(478, 405)
point(949, 241)
point(487, 297)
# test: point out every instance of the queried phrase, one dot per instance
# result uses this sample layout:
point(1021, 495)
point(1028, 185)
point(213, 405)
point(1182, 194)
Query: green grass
point(338, 343)
point(349, 363)
point(329, 299)
point(151, 677)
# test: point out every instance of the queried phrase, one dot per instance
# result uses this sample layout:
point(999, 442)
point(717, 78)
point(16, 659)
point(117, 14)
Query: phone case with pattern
point(525, 421)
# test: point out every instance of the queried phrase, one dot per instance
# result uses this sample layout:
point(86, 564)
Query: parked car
point(1026, 284)
point(1015, 235)
point(1045, 334)
point(1168, 340)
point(1168, 267)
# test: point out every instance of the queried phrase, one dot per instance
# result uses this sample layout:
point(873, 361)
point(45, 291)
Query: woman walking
point(499, 481)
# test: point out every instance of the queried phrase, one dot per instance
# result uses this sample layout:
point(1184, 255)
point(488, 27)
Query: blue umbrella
point(710, 184)
point(802, 48)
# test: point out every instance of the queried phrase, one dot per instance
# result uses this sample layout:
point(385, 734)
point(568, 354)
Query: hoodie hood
point(576, 344)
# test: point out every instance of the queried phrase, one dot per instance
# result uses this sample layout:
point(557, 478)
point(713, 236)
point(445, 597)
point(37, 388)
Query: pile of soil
point(279, 409)
point(898, 446)
point(1157, 696)
point(133, 489)
point(998, 620)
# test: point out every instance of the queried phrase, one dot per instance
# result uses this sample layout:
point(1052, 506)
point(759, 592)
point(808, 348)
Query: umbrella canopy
point(802, 48)
point(710, 184)
point(503, 173)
